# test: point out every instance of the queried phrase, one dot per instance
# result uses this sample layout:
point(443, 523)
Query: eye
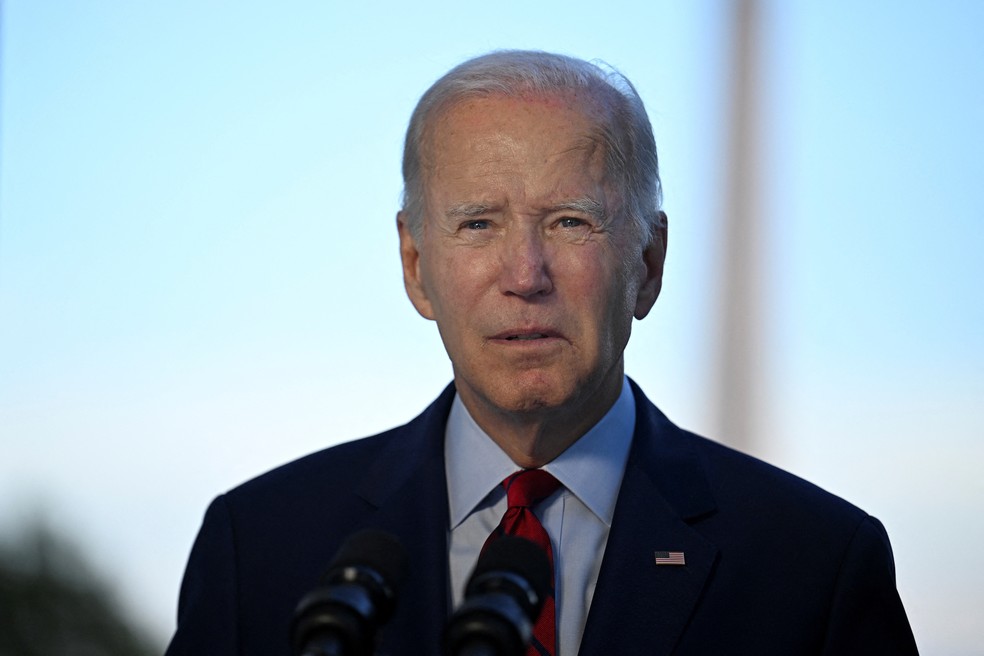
point(476, 225)
point(571, 222)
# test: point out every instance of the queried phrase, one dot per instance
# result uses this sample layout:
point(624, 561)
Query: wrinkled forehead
point(592, 132)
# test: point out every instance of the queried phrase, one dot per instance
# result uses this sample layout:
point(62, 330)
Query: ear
point(412, 282)
point(652, 259)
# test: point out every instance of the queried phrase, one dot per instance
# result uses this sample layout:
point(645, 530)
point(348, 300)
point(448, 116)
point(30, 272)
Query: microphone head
point(356, 596)
point(518, 557)
point(503, 598)
point(373, 549)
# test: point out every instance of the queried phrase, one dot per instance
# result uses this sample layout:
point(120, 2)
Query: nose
point(524, 264)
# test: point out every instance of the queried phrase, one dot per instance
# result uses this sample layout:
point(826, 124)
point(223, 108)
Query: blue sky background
point(199, 275)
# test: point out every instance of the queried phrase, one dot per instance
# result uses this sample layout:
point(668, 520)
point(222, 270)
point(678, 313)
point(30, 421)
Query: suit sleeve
point(866, 614)
point(207, 613)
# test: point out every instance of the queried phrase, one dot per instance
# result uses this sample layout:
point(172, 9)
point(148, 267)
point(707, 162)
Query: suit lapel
point(408, 490)
point(664, 490)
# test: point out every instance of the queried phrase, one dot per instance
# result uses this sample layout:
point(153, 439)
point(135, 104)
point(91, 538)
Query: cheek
point(451, 280)
point(613, 288)
point(600, 275)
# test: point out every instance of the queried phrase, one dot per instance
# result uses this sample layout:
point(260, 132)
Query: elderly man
point(531, 233)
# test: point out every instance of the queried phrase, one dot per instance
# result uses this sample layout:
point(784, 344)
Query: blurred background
point(199, 274)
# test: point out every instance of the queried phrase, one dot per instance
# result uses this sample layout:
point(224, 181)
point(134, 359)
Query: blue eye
point(477, 225)
point(570, 222)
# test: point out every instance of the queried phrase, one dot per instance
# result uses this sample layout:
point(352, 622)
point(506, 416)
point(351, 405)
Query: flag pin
point(670, 558)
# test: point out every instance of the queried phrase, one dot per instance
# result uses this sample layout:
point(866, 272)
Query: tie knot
point(528, 487)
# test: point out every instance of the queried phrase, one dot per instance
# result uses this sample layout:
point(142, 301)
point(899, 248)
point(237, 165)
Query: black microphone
point(356, 595)
point(503, 598)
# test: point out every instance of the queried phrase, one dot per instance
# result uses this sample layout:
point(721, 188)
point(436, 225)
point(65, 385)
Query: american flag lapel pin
point(670, 558)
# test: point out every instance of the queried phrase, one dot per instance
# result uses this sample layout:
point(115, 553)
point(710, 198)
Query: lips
point(526, 334)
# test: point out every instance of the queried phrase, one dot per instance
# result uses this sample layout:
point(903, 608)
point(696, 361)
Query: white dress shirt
point(577, 517)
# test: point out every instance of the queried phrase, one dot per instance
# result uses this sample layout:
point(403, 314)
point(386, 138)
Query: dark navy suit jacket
point(774, 565)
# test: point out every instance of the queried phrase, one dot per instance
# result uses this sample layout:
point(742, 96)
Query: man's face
point(527, 268)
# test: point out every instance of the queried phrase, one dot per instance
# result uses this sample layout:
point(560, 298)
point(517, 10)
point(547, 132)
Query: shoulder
point(348, 467)
point(736, 493)
point(743, 481)
point(336, 467)
point(278, 530)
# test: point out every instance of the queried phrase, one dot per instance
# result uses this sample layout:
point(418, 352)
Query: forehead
point(491, 138)
point(564, 114)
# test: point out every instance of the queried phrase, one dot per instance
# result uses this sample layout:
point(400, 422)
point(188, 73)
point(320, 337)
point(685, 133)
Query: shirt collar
point(591, 468)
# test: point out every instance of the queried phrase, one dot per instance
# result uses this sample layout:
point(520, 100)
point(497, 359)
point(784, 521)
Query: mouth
point(526, 337)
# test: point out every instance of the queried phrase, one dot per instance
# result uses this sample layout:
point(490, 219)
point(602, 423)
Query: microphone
point(503, 598)
point(356, 595)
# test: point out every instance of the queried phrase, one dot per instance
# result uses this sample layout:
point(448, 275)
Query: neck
point(533, 438)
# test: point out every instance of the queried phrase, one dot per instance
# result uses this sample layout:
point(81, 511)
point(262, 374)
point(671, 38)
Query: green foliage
point(51, 604)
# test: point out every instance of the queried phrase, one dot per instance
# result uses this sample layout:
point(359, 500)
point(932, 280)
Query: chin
point(531, 394)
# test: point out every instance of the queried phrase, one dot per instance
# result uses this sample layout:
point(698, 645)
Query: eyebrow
point(586, 205)
point(468, 210)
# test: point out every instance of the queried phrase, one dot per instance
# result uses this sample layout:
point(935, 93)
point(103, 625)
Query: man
point(531, 233)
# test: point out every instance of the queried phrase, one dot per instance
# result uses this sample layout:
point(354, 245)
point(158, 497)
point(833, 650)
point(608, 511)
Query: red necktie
point(525, 489)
